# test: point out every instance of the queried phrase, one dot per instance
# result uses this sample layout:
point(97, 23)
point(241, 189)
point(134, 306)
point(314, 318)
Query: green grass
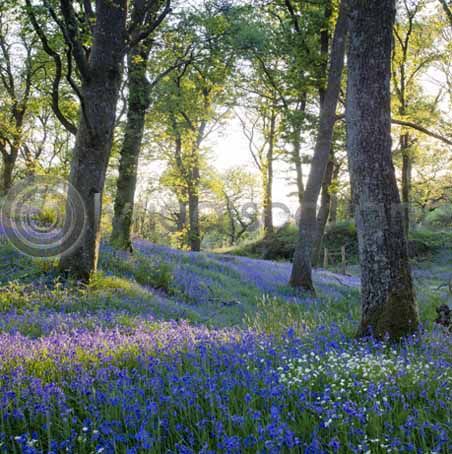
point(142, 285)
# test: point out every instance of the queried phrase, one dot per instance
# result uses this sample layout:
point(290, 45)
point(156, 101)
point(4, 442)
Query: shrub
point(342, 234)
point(440, 217)
point(150, 271)
point(158, 275)
point(281, 244)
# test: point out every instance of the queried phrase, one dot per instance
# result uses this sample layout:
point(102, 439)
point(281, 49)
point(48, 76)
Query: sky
point(230, 148)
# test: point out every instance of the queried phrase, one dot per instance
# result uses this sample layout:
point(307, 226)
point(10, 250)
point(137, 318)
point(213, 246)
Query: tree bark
point(138, 103)
point(193, 207)
point(231, 221)
point(301, 276)
point(351, 202)
point(182, 216)
point(268, 178)
point(333, 209)
point(324, 211)
point(181, 194)
point(406, 179)
point(388, 304)
point(298, 164)
point(9, 161)
point(324, 48)
point(100, 91)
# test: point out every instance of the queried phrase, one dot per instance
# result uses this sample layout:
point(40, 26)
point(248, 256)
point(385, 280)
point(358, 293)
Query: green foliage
point(46, 216)
point(342, 234)
point(145, 271)
point(433, 239)
point(157, 275)
point(441, 217)
point(281, 244)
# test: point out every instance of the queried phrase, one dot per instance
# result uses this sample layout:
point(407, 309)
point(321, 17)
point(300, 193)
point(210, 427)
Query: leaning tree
point(301, 276)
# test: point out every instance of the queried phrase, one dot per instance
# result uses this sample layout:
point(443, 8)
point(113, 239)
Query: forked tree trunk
point(388, 304)
point(301, 276)
point(100, 92)
point(138, 103)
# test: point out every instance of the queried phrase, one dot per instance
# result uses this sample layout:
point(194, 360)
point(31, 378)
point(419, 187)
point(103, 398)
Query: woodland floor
point(170, 351)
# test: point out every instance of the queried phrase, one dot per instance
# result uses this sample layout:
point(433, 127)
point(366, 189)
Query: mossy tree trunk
point(9, 160)
point(138, 103)
point(388, 303)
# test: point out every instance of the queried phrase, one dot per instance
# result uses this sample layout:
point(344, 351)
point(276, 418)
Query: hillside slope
point(169, 351)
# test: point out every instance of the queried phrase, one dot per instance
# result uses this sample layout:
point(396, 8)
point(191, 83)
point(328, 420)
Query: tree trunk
point(94, 138)
point(324, 211)
point(406, 179)
point(138, 103)
point(298, 165)
point(388, 305)
point(268, 179)
point(9, 161)
point(324, 49)
point(193, 209)
point(181, 196)
point(333, 209)
point(193, 187)
point(268, 201)
point(351, 201)
point(231, 221)
point(182, 216)
point(302, 271)
point(296, 150)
